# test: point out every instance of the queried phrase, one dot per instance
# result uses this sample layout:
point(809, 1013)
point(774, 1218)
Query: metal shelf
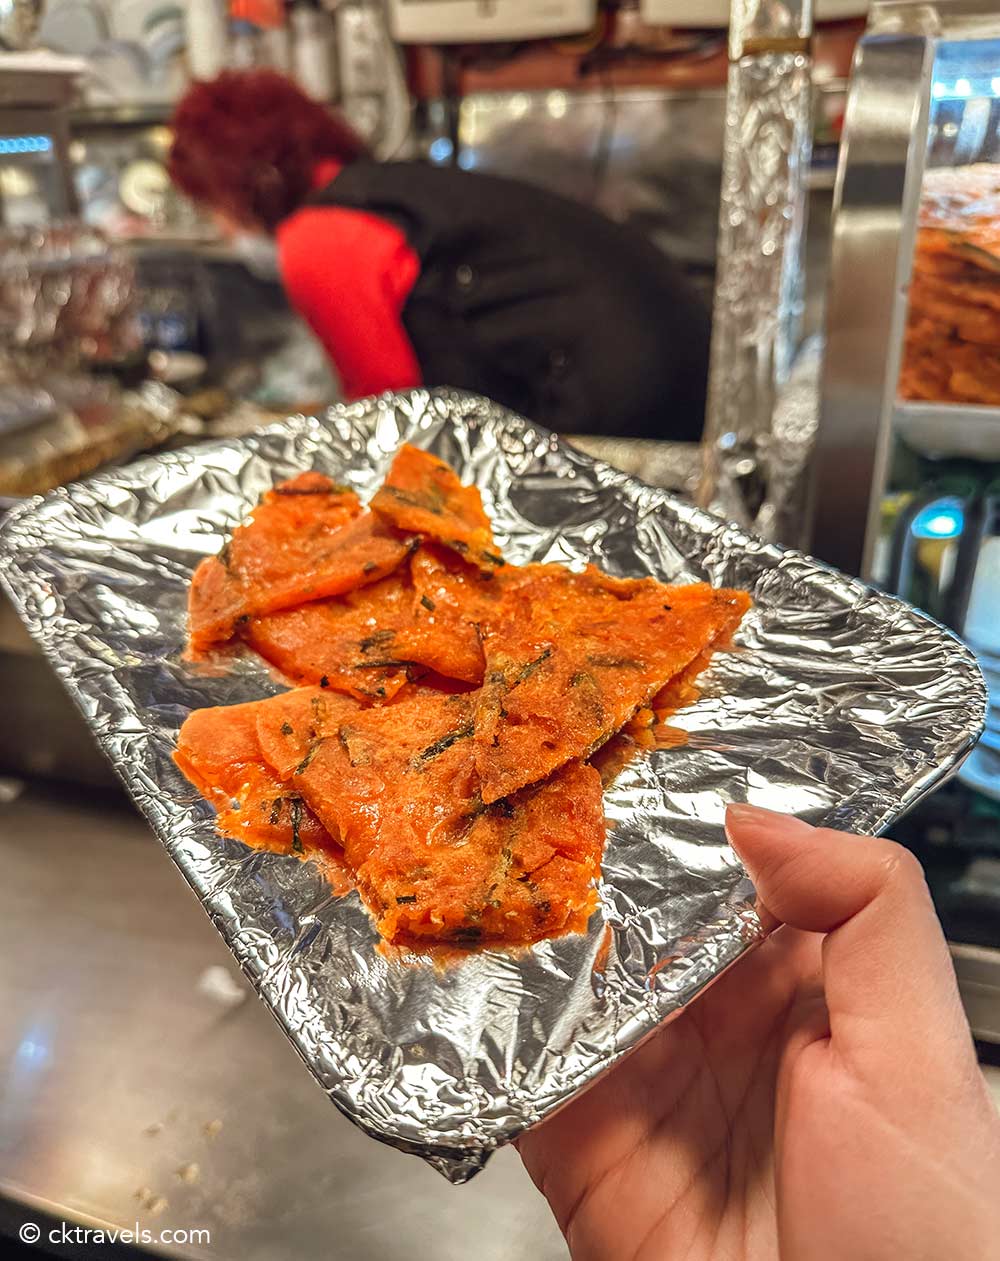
point(204, 247)
point(97, 116)
point(949, 430)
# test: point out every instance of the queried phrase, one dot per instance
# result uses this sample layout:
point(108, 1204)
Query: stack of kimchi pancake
point(445, 704)
point(952, 348)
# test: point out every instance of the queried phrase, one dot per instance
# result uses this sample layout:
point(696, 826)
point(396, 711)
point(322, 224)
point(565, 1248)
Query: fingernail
point(742, 814)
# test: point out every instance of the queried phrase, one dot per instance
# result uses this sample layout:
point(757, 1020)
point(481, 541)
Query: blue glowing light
point(441, 149)
point(963, 88)
point(25, 144)
point(944, 519)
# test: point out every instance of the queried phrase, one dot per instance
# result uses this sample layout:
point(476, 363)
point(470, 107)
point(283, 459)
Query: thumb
point(887, 975)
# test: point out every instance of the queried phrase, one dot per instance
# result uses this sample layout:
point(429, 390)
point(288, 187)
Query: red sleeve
point(349, 274)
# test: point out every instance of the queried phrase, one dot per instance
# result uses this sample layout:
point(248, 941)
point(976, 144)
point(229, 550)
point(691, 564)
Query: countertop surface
point(143, 1082)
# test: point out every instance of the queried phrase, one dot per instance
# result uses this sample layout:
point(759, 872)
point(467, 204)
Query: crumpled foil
point(840, 705)
point(749, 472)
point(675, 466)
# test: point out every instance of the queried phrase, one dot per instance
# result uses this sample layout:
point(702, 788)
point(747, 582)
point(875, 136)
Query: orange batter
point(305, 540)
point(575, 657)
point(400, 787)
point(219, 752)
point(423, 495)
point(465, 816)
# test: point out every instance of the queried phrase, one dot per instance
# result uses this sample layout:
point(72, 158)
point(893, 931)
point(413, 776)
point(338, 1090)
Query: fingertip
point(745, 823)
point(760, 838)
point(744, 813)
point(900, 866)
point(883, 952)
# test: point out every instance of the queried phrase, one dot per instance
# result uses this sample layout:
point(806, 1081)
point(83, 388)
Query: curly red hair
point(247, 144)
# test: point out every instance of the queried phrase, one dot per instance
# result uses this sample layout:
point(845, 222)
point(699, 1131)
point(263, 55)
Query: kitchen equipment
point(74, 26)
point(906, 493)
point(312, 49)
point(700, 13)
point(36, 181)
point(66, 299)
point(36, 188)
point(277, 48)
point(901, 109)
point(137, 20)
point(939, 74)
point(207, 29)
point(371, 78)
point(93, 422)
point(943, 554)
point(66, 310)
point(471, 21)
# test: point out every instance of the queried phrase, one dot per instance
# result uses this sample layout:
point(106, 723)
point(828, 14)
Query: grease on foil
point(840, 705)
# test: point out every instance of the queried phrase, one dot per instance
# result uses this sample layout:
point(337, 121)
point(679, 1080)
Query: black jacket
point(539, 302)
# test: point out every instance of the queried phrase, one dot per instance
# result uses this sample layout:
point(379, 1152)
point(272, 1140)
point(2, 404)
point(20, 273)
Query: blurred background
point(833, 191)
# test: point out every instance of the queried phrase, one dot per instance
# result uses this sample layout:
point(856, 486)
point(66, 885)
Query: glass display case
point(907, 469)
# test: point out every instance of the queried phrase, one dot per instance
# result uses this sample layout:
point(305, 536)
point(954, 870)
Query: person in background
point(822, 1102)
point(412, 274)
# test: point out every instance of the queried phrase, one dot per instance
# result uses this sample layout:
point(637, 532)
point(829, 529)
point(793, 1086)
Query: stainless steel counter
point(143, 1081)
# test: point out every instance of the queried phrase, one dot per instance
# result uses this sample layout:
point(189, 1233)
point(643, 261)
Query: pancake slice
point(345, 644)
point(433, 863)
point(219, 752)
point(575, 657)
point(306, 540)
point(423, 495)
point(370, 642)
point(290, 726)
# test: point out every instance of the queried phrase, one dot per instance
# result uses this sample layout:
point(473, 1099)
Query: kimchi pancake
point(369, 643)
point(521, 870)
point(307, 539)
point(423, 495)
point(682, 689)
point(345, 643)
point(215, 605)
point(443, 583)
point(964, 289)
point(219, 752)
point(431, 861)
point(290, 726)
point(453, 604)
point(457, 606)
point(575, 657)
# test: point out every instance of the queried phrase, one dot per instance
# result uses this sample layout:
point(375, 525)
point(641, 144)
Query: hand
point(821, 1102)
